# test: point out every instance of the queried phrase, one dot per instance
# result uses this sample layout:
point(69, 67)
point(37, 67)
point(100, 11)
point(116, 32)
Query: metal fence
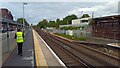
point(77, 33)
point(7, 44)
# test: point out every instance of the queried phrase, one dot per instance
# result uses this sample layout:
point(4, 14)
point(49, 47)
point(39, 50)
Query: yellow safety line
point(36, 58)
point(40, 59)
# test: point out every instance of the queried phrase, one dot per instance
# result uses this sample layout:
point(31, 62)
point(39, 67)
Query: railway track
point(109, 50)
point(83, 56)
point(69, 59)
point(113, 51)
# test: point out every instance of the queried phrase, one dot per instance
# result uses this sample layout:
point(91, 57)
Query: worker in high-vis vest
point(19, 36)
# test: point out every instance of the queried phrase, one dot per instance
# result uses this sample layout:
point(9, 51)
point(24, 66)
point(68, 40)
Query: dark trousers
point(20, 48)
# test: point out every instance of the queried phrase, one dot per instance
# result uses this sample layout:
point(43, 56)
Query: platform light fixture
point(23, 15)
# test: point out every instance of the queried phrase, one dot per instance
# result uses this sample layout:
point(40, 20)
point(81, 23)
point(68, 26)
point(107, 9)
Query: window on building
point(84, 21)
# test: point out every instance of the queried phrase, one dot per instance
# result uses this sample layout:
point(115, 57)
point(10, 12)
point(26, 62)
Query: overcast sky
point(36, 11)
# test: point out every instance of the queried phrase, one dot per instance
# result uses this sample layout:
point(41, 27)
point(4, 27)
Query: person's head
point(18, 29)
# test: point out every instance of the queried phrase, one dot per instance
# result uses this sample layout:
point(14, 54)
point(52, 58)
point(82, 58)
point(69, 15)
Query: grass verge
point(72, 37)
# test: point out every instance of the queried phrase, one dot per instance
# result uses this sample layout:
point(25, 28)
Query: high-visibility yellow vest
point(19, 37)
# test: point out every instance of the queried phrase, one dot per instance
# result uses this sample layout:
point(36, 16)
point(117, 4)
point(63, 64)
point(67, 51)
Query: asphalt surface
point(25, 61)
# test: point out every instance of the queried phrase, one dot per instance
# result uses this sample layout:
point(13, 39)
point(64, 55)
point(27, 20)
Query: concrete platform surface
point(25, 61)
point(36, 54)
point(51, 59)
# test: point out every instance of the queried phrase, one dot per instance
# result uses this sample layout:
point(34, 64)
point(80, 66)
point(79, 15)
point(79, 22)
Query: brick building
point(106, 27)
point(5, 13)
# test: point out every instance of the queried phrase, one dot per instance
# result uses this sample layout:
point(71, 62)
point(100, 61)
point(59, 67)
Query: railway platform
point(36, 54)
point(44, 54)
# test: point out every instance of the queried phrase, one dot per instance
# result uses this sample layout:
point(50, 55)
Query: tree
point(42, 24)
point(61, 22)
point(20, 20)
point(68, 19)
point(51, 24)
point(85, 16)
point(57, 20)
point(57, 23)
point(54, 24)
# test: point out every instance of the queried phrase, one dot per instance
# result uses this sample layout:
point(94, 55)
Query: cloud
point(99, 10)
point(119, 7)
point(57, 0)
point(36, 11)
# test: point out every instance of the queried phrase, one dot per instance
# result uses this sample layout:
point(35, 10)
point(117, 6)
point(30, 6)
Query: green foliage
point(64, 35)
point(35, 26)
point(65, 21)
point(57, 20)
point(20, 20)
point(85, 16)
point(70, 28)
point(61, 22)
point(68, 19)
point(42, 24)
point(80, 38)
point(55, 24)
point(91, 22)
point(51, 24)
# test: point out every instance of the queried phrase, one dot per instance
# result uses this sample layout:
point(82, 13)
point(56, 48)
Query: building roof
point(116, 17)
point(10, 21)
point(5, 13)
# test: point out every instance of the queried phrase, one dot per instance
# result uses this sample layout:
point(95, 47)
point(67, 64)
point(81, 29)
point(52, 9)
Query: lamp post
point(23, 16)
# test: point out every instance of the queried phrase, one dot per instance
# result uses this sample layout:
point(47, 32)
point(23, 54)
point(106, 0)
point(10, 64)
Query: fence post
point(8, 36)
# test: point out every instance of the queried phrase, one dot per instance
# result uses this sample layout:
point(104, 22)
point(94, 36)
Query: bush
point(80, 38)
point(72, 37)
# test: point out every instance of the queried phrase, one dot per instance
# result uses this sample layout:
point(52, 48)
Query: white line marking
point(52, 52)
point(30, 58)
